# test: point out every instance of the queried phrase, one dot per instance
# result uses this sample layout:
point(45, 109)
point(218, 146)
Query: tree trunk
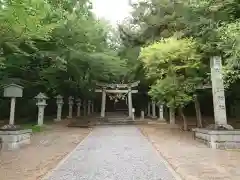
point(185, 124)
point(172, 115)
point(198, 112)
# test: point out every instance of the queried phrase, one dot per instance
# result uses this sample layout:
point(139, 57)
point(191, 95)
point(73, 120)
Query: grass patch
point(30, 124)
point(35, 128)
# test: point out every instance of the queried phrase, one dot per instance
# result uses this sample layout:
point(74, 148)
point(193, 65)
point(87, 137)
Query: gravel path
point(113, 153)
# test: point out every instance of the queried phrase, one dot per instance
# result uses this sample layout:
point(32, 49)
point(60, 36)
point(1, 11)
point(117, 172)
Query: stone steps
point(124, 122)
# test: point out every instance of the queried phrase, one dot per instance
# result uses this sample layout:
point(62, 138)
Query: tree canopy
point(177, 40)
point(56, 46)
point(60, 47)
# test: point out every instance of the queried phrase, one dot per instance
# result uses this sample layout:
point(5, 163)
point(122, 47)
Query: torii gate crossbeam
point(129, 91)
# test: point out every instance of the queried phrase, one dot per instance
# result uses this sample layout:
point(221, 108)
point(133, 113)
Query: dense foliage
point(178, 39)
point(56, 47)
point(173, 66)
point(60, 47)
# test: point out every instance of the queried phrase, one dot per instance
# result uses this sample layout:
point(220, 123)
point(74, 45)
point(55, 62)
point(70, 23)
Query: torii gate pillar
point(129, 91)
point(103, 106)
point(130, 103)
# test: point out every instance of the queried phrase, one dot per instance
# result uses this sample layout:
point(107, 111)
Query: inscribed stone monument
point(218, 92)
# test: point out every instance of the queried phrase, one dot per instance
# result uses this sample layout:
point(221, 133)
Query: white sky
point(112, 10)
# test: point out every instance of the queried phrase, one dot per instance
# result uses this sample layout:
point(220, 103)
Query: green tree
point(56, 47)
point(173, 66)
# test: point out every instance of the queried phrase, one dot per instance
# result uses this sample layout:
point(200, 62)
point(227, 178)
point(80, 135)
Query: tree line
point(55, 47)
point(176, 40)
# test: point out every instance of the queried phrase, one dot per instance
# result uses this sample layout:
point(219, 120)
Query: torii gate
point(128, 91)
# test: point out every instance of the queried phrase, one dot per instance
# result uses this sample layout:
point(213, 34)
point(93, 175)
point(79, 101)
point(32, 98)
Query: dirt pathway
point(191, 159)
point(44, 153)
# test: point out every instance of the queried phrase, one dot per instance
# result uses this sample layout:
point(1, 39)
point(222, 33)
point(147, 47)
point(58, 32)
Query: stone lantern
point(84, 108)
point(160, 108)
point(60, 103)
point(13, 91)
point(142, 115)
point(41, 103)
point(154, 110)
point(89, 107)
point(79, 103)
point(70, 103)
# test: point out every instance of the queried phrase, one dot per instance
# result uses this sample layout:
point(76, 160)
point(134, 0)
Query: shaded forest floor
point(192, 159)
point(46, 150)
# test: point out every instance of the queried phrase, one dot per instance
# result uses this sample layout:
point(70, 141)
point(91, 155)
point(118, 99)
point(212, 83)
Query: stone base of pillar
point(129, 118)
point(57, 120)
point(219, 127)
point(218, 139)
point(154, 117)
point(12, 140)
point(161, 120)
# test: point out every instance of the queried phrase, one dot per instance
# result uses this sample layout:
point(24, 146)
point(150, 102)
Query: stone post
point(172, 115)
point(154, 110)
point(41, 103)
point(130, 102)
point(133, 114)
point(12, 110)
point(78, 107)
point(84, 108)
point(142, 115)
point(149, 110)
point(218, 93)
point(13, 91)
point(89, 107)
point(103, 103)
point(160, 108)
point(59, 107)
point(70, 106)
point(92, 107)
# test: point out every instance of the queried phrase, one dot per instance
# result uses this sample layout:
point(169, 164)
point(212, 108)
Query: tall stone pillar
point(149, 110)
point(218, 93)
point(103, 106)
point(154, 110)
point(130, 102)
